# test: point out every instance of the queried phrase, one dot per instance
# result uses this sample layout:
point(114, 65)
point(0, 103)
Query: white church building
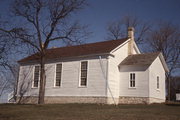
point(109, 72)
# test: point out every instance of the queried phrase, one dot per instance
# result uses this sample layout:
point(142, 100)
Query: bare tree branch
point(118, 29)
point(45, 21)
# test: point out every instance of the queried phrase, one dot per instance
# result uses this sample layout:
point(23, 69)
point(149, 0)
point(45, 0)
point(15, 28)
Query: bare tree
point(118, 29)
point(5, 76)
point(175, 87)
point(166, 39)
point(45, 21)
point(3, 83)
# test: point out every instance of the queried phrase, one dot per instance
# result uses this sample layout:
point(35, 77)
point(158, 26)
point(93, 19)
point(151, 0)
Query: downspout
point(17, 83)
point(106, 77)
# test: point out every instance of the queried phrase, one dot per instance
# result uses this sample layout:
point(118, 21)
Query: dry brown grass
point(89, 112)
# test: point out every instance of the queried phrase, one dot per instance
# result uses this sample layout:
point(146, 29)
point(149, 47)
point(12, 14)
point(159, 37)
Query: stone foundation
point(102, 100)
point(156, 100)
point(139, 100)
point(27, 100)
point(74, 99)
point(64, 99)
point(133, 100)
point(111, 100)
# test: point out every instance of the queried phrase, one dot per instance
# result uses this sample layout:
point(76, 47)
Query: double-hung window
point(58, 75)
point(83, 77)
point(132, 80)
point(36, 76)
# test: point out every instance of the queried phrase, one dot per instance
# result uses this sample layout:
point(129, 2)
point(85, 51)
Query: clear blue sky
point(101, 12)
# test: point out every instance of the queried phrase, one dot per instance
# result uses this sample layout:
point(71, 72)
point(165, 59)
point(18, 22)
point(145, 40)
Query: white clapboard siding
point(141, 81)
point(96, 82)
point(113, 70)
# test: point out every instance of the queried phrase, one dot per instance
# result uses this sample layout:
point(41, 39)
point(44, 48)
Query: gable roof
point(145, 59)
point(78, 50)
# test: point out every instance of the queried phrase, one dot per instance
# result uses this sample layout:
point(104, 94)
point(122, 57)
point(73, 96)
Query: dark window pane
point(133, 76)
point(84, 74)
point(131, 84)
point(83, 81)
point(84, 65)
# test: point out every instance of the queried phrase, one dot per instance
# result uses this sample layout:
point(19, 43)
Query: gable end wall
point(156, 69)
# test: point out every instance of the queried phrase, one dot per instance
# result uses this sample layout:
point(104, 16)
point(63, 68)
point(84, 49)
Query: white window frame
point(157, 83)
point(83, 86)
point(55, 75)
point(132, 80)
point(38, 78)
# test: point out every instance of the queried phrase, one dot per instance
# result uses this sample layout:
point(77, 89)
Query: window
point(132, 80)
point(58, 74)
point(36, 76)
point(84, 66)
point(157, 82)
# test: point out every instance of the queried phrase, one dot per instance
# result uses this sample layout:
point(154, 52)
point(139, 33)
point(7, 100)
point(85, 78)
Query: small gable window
point(36, 76)
point(83, 77)
point(157, 82)
point(132, 80)
point(58, 75)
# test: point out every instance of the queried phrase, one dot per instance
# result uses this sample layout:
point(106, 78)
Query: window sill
point(57, 87)
point(158, 90)
point(82, 87)
point(132, 88)
point(34, 87)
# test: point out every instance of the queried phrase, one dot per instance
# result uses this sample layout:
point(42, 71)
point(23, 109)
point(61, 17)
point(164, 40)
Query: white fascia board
point(136, 48)
point(163, 62)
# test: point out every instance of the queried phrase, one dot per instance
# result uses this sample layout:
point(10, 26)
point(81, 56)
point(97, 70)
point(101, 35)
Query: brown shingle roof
point(140, 59)
point(79, 50)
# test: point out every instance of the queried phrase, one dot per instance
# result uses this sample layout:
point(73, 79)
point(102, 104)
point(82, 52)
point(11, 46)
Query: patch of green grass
point(89, 112)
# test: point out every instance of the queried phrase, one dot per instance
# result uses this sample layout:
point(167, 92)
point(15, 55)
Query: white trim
point(80, 74)
point(136, 48)
point(55, 75)
point(107, 76)
point(33, 77)
point(122, 44)
point(163, 62)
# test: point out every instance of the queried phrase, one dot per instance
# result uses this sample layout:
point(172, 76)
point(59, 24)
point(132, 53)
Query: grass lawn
point(89, 112)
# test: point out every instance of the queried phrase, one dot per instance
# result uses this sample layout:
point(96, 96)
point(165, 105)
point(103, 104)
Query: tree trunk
point(42, 81)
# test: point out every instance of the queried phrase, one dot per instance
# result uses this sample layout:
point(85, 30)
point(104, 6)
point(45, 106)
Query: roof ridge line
point(87, 43)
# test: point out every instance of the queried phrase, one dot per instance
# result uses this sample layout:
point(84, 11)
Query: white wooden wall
point(113, 71)
point(156, 69)
point(141, 81)
point(96, 83)
point(114, 76)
